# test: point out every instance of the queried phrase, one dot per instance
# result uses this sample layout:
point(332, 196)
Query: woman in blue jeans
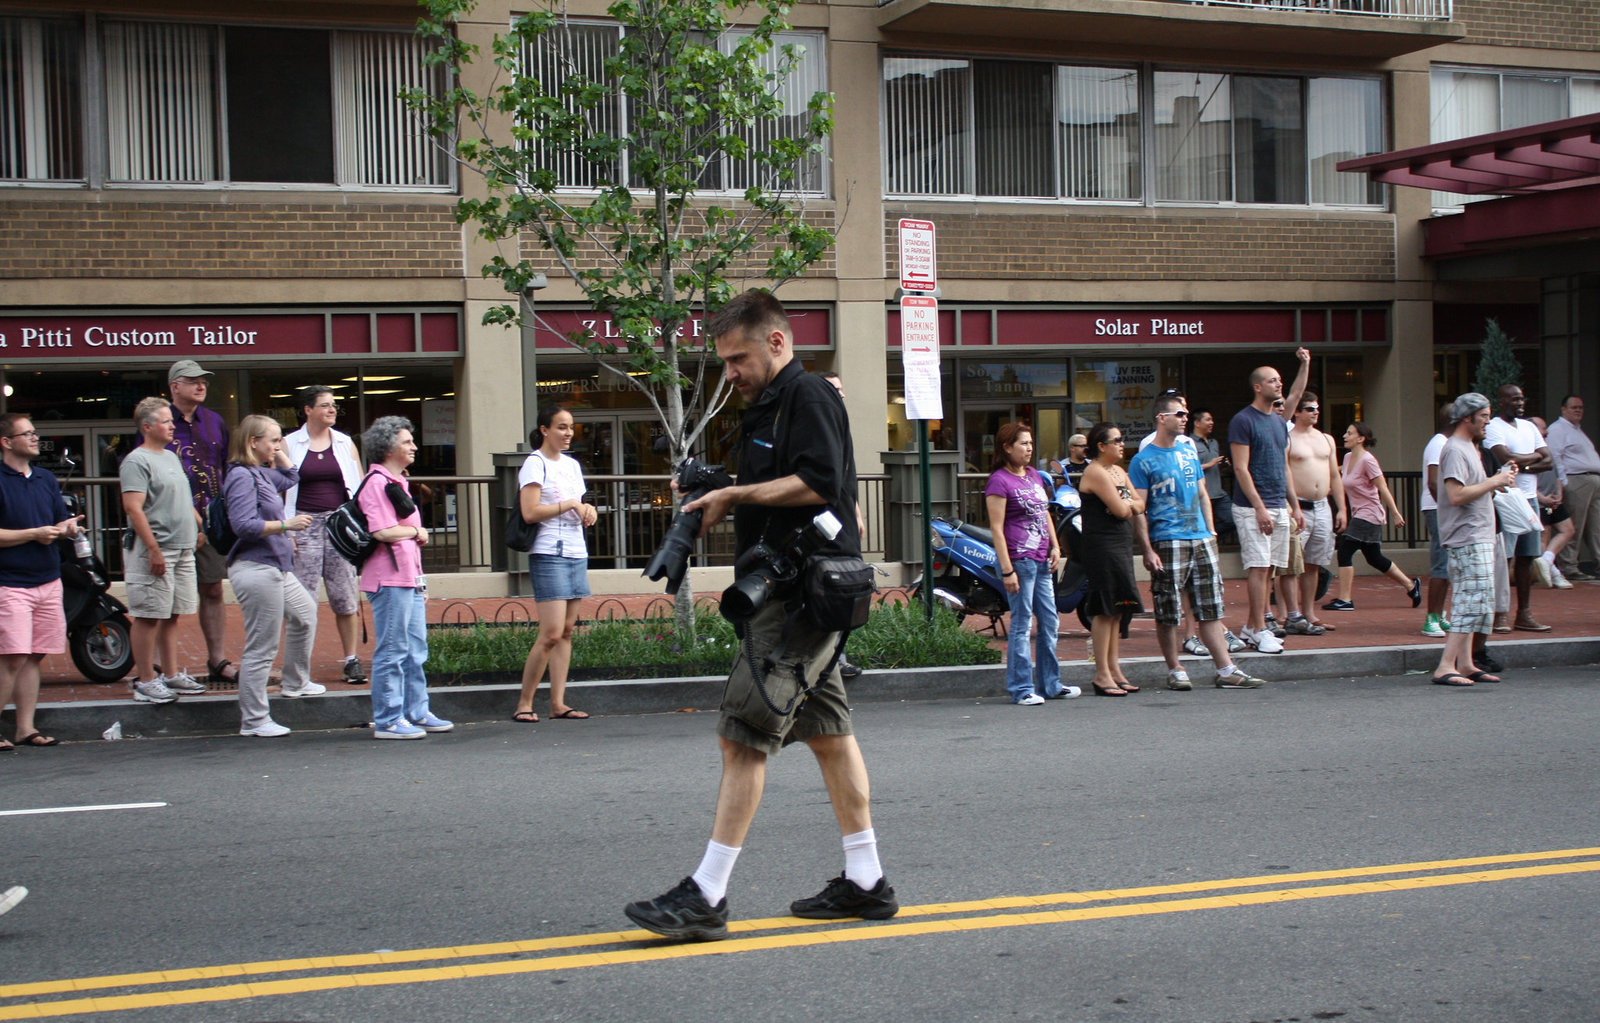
point(1028, 552)
point(394, 582)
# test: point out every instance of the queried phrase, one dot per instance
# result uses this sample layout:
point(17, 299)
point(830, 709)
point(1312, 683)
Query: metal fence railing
point(635, 513)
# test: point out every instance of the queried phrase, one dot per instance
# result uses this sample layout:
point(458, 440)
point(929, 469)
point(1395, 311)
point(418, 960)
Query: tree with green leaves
point(1496, 365)
point(659, 161)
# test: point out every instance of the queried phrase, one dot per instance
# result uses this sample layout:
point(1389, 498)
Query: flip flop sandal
point(525, 717)
point(1483, 676)
point(215, 673)
point(5, 746)
point(1451, 680)
point(571, 714)
point(35, 739)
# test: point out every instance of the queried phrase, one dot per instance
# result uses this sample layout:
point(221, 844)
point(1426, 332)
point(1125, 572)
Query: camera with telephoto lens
point(671, 559)
point(762, 571)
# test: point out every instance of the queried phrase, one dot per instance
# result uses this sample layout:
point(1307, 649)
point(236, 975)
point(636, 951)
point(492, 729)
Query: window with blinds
point(578, 50)
point(41, 101)
point(1023, 129)
point(199, 104)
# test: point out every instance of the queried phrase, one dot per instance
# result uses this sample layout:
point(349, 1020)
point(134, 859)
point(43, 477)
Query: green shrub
point(896, 636)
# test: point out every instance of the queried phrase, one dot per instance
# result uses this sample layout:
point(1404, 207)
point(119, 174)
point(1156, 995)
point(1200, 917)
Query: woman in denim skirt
point(550, 491)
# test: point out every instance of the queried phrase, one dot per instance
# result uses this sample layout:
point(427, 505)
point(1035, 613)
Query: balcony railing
point(1421, 10)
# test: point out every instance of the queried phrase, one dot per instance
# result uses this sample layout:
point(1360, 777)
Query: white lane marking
point(81, 809)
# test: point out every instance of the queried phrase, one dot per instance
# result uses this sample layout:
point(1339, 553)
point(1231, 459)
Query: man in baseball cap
point(200, 440)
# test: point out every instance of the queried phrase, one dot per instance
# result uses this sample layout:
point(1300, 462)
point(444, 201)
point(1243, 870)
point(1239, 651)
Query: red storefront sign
point(212, 335)
point(1166, 328)
point(813, 328)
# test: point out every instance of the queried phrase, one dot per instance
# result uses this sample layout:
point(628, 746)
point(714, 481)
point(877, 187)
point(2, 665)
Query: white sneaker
point(185, 685)
point(10, 897)
point(153, 691)
point(401, 729)
point(1234, 678)
point(1068, 693)
point(1264, 641)
point(1178, 679)
point(1541, 568)
point(434, 723)
point(1557, 580)
point(268, 729)
point(1235, 644)
point(1031, 700)
point(309, 689)
point(1194, 647)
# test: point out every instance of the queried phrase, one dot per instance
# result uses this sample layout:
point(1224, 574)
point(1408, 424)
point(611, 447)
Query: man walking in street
point(1510, 438)
point(159, 568)
point(32, 619)
point(1319, 489)
point(1467, 531)
point(200, 440)
point(795, 460)
point(1264, 500)
point(1179, 541)
point(1568, 442)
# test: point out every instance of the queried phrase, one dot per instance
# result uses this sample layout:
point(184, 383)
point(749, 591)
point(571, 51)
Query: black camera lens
point(744, 598)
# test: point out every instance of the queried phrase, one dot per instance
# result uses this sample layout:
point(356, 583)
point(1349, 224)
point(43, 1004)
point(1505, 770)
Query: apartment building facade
point(1128, 195)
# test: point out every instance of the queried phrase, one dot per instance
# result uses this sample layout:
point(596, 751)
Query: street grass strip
point(811, 935)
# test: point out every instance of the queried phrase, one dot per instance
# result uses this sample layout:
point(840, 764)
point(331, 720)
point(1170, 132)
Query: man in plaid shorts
point(1179, 541)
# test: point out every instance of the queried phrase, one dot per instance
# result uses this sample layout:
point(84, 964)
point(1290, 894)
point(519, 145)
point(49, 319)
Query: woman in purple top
point(1028, 552)
point(260, 568)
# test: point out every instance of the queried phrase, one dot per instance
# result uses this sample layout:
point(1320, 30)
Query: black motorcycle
point(98, 631)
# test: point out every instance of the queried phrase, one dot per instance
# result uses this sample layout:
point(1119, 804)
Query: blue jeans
point(400, 648)
point(1035, 598)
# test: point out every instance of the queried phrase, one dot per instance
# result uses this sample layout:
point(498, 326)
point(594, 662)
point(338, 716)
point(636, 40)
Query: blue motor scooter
point(966, 576)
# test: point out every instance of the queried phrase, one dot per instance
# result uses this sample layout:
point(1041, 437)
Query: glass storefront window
point(423, 394)
point(1122, 392)
point(1014, 381)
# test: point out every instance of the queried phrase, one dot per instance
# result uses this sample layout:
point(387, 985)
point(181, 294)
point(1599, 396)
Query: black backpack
point(219, 531)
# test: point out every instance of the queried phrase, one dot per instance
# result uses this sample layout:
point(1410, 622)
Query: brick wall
point(1549, 24)
point(1155, 245)
point(78, 238)
point(751, 267)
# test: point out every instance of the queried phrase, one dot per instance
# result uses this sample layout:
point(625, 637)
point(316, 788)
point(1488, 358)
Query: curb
point(219, 715)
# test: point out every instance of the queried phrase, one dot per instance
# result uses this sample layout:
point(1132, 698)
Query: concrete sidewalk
point(1380, 637)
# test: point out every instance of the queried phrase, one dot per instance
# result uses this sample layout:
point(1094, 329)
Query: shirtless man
point(1315, 470)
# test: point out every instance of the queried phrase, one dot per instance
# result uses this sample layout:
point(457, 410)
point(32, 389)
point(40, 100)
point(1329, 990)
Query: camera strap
point(760, 667)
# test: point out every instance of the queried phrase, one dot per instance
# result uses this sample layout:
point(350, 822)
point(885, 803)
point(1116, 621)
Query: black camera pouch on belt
point(837, 591)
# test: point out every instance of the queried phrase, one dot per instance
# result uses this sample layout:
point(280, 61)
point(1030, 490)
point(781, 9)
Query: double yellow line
point(253, 980)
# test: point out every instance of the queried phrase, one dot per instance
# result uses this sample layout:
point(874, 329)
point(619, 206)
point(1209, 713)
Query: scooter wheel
point(103, 652)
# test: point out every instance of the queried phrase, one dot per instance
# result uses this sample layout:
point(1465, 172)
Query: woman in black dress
point(1109, 505)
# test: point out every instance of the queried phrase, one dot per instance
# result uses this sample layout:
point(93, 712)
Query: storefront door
point(979, 423)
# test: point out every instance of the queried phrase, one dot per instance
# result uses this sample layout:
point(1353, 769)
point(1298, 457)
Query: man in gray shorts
point(794, 461)
point(159, 567)
point(1318, 487)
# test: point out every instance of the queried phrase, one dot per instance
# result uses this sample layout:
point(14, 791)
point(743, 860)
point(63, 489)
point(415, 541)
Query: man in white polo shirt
point(1572, 446)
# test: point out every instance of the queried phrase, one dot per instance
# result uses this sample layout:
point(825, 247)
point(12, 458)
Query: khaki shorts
point(1257, 549)
point(746, 717)
point(152, 596)
point(210, 567)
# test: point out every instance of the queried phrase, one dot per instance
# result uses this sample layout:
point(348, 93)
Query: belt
point(1306, 505)
point(1571, 474)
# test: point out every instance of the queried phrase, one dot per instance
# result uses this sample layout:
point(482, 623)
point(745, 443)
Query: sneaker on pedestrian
point(268, 729)
point(1235, 678)
point(11, 897)
point(1193, 646)
point(847, 668)
point(1541, 571)
point(431, 722)
point(1483, 660)
point(843, 898)
point(1273, 627)
point(1031, 700)
point(185, 685)
point(353, 673)
point(1235, 644)
point(309, 689)
point(1068, 693)
point(153, 691)
point(1264, 641)
point(1433, 626)
point(1178, 679)
point(401, 729)
point(1557, 580)
point(1303, 626)
point(1338, 605)
point(681, 912)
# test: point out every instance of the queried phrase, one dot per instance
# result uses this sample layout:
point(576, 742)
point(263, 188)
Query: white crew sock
point(715, 869)
point(1548, 557)
point(861, 859)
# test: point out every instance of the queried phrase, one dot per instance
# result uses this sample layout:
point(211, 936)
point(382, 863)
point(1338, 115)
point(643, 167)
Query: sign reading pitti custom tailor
point(219, 334)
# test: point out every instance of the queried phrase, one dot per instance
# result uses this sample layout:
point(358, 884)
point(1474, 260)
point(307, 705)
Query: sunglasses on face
point(1310, 408)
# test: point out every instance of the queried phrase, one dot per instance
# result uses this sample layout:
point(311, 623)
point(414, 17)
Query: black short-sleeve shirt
point(813, 444)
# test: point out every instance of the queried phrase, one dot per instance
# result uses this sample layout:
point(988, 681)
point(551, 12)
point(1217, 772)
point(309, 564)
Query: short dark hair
point(1097, 436)
point(1007, 435)
point(1568, 398)
point(752, 314)
point(308, 396)
point(9, 421)
point(1167, 402)
point(1308, 398)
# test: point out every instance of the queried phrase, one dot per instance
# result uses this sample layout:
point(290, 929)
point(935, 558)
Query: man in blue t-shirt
point(1180, 545)
point(1264, 501)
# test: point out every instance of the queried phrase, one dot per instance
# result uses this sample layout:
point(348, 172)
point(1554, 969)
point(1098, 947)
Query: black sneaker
point(1482, 659)
point(353, 675)
point(1338, 605)
point(844, 898)
point(847, 669)
point(681, 913)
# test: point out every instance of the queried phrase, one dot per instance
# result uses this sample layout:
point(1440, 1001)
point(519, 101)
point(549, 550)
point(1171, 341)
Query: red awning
point(1540, 158)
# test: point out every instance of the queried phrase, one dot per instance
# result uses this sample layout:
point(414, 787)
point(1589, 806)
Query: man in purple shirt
point(201, 443)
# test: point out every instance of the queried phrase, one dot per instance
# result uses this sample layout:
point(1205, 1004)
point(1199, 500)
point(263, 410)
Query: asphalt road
point(1375, 849)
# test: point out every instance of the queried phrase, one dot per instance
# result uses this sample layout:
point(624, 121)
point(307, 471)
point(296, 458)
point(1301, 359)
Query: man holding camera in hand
point(794, 462)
